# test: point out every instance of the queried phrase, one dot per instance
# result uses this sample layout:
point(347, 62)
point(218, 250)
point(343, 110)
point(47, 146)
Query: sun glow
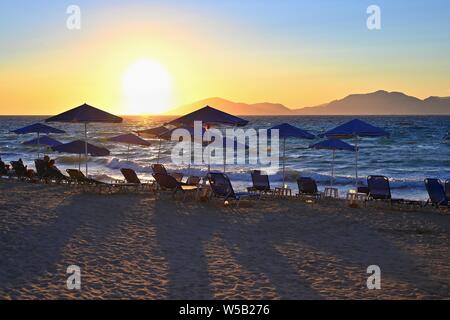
point(146, 88)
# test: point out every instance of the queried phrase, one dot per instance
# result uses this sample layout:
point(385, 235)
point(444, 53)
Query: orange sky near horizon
point(59, 69)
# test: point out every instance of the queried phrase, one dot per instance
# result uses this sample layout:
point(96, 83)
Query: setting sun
point(146, 88)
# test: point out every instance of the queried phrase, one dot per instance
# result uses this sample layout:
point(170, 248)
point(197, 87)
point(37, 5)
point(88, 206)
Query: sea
point(415, 150)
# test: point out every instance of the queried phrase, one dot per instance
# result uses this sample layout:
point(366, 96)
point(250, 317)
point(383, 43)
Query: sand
point(136, 246)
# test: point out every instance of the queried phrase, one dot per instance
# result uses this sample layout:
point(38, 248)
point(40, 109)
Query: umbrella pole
point(284, 159)
point(39, 144)
point(159, 149)
point(79, 162)
point(356, 162)
point(128, 152)
point(85, 147)
point(332, 169)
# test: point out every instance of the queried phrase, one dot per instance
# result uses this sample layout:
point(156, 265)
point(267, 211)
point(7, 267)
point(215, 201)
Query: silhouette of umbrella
point(37, 128)
point(81, 147)
point(130, 139)
point(45, 140)
point(85, 114)
point(285, 131)
point(355, 128)
point(333, 144)
point(209, 116)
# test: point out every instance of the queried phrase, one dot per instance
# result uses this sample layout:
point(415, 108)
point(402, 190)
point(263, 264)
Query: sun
point(146, 88)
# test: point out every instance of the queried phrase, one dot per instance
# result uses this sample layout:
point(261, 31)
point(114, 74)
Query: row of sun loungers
point(378, 188)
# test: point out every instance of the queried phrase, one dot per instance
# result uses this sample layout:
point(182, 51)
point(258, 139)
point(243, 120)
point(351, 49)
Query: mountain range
point(375, 103)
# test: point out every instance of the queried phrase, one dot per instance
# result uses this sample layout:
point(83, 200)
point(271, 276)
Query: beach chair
point(132, 179)
point(260, 183)
point(3, 169)
point(168, 183)
point(19, 169)
point(221, 188)
point(307, 188)
point(177, 175)
point(79, 179)
point(193, 181)
point(379, 189)
point(436, 193)
point(159, 169)
point(46, 175)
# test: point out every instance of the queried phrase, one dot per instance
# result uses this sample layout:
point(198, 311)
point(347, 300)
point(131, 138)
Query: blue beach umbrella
point(45, 140)
point(38, 128)
point(333, 144)
point(154, 133)
point(285, 131)
point(85, 114)
point(81, 147)
point(209, 116)
point(130, 139)
point(355, 129)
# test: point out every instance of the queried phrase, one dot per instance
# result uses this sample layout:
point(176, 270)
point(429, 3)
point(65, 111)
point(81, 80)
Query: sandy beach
point(136, 246)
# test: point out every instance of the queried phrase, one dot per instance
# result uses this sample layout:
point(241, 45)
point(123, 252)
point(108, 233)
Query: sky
point(146, 57)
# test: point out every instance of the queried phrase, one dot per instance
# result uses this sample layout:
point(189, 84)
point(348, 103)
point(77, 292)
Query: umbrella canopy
point(168, 134)
point(81, 147)
point(78, 147)
point(130, 138)
point(38, 128)
point(152, 132)
point(85, 114)
point(285, 130)
point(288, 131)
point(45, 140)
point(208, 115)
point(333, 144)
point(354, 129)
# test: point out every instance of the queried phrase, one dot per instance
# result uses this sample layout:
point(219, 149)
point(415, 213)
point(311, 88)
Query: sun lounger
point(177, 175)
point(379, 189)
point(19, 169)
point(222, 188)
point(132, 179)
point(260, 183)
point(307, 188)
point(193, 181)
point(46, 175)
point(3, 169)
point(78, 178)
point(159, 169)
point(168, 183)
point(436, 193)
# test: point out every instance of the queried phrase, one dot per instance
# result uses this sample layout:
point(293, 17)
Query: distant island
point(375, 103)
